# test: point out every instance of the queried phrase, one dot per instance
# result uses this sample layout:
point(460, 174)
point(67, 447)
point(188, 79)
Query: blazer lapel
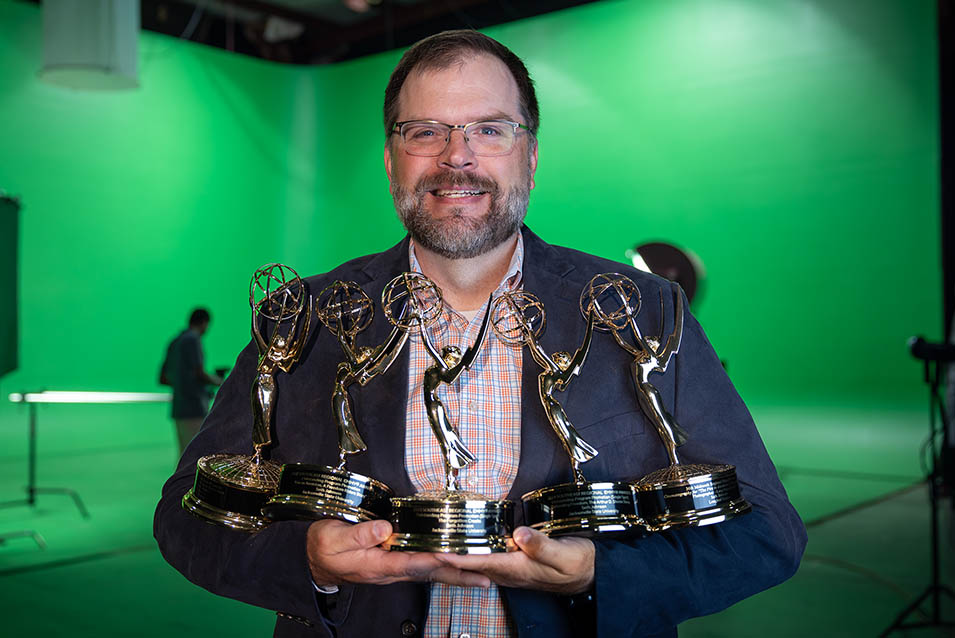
point(380, 405)
point(543, 460)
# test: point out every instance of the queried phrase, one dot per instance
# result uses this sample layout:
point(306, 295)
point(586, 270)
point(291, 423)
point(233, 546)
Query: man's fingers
point(337, 537)
point(369, 534)
point(460, 577)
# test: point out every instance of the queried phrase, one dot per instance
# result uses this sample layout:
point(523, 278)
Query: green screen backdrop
point(791, 144)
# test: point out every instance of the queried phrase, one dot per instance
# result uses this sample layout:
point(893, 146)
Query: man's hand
point(563, 566)
point(341, 553)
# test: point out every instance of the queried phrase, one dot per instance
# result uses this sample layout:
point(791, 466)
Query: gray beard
point(458, 236)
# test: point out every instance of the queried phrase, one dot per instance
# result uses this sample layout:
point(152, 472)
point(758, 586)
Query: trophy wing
point(430, 347)
point(578, 361)
point(471, 353)
point(673, 341)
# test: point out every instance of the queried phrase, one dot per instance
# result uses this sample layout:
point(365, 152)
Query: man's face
point(458, 204)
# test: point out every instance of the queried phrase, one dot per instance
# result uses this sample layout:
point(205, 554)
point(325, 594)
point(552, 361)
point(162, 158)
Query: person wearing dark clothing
point(461, 151)
point(183, 369)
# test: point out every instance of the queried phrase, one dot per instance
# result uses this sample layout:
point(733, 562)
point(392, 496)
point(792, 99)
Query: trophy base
point(451, 523)
point(585, 509)
point(313, 492)
point(231, 489)
point(690, 496)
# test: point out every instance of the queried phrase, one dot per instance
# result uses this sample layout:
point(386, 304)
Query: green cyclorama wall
point(792, 145)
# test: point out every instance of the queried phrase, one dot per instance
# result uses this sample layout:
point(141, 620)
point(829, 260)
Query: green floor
point(849, 471)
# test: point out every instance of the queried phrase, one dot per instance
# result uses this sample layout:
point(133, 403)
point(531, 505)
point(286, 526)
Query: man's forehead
point(476, 85)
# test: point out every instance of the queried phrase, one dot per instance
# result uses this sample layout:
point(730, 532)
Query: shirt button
point(408, 628)
point(465, 635)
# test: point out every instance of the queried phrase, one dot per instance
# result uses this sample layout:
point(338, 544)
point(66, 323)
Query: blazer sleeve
point(268, 568)
point(648, 585)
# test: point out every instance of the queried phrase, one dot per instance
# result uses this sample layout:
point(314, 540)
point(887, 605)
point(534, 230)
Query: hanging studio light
point(93, 44)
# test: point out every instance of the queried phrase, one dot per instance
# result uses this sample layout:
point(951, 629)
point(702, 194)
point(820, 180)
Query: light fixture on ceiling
point(92, 44)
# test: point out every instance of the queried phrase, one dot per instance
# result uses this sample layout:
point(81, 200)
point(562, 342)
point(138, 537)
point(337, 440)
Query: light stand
point(935, 590)
point(31, 489)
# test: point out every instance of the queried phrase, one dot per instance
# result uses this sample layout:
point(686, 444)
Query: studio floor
point(852, 472)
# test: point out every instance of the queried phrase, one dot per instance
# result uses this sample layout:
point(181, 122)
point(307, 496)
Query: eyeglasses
point(428, 138)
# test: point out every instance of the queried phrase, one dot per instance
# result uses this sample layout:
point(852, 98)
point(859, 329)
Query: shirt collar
point(512, 278)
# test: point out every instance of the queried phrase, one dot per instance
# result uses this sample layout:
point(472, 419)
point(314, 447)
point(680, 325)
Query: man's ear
point(388, 159)
point(532, 161)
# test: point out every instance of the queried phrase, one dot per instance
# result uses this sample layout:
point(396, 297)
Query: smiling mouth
point(440, 192)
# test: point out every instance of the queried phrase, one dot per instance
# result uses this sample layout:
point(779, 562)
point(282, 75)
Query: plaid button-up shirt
point(485, 407)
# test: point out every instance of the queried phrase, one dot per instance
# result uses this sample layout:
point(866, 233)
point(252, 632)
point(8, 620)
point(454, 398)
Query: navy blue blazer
point(643, 587)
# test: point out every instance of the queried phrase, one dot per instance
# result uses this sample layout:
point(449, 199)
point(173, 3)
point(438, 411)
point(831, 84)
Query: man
point(461, 190)
point(183, 369)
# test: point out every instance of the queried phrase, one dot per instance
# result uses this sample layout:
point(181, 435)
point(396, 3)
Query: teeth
point(443, 193)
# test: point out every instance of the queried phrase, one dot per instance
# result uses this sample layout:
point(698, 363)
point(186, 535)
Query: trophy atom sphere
point(614, 299)
point(276, 292)
point(345, 308)
point(517, 314)
point(411, 300)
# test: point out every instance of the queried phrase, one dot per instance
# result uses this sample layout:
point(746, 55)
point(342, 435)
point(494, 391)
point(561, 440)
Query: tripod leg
point(898, 622)
point(69, 492)
point(39, 540)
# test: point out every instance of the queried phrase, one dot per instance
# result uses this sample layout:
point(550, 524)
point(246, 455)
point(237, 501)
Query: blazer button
point(408, 628)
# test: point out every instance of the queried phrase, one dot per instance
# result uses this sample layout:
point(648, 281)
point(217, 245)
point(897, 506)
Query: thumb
point(535, 544)
point(367, 535)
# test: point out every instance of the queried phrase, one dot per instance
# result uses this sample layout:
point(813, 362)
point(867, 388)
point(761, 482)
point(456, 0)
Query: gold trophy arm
point(638, 335)
point(636, 352)
point(384, 356)
point(540, 355)
point(471, 353)
point(257, 336)
point(430, 348)
point(347, 348)
point(673, 341)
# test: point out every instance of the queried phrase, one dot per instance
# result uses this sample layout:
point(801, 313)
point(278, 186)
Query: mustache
point(445, 179)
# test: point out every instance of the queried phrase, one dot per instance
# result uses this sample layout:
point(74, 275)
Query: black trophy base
point(231, 489)
point(451, 522)
point(608, 509)
point(314, 492)
point(690, 496)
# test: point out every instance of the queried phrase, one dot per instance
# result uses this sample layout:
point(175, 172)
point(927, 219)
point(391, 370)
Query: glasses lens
point(490, 138)
point(427, 138)
point(493, 137)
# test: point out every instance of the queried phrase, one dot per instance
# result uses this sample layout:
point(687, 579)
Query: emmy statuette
point(579, 508)
point(230, 489)
point(680, 495)
point(450, 520)
point(308, 491)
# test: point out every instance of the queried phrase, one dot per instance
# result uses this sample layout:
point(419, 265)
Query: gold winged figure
point(449, 363)
point(515, 314)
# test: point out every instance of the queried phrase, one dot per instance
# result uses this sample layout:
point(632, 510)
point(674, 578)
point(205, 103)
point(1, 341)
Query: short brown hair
point(444, 49)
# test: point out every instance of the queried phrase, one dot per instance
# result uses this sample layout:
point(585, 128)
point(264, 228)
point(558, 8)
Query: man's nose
point(457, 153)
